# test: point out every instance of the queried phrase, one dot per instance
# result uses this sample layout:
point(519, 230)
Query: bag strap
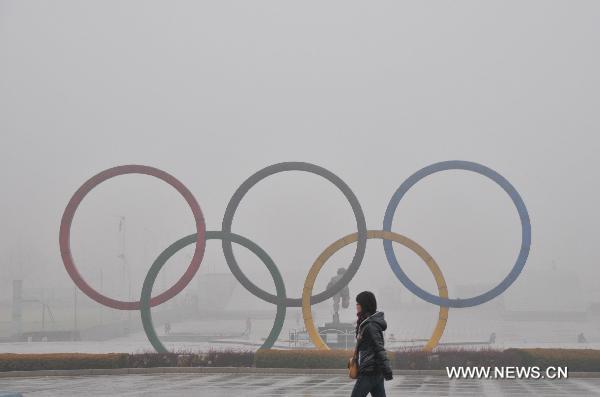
point(358, 339)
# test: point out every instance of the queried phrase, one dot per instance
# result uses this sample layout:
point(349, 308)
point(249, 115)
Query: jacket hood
point(377, 318)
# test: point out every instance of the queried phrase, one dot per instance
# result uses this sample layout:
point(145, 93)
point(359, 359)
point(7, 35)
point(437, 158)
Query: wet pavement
point(286, 385)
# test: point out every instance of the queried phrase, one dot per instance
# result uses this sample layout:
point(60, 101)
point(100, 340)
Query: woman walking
point(373, 364)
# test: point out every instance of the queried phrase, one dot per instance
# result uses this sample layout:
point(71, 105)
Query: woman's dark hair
point(367, 302)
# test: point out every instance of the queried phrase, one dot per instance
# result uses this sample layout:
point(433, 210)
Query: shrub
point(574, 359)
point(302, 358)
point(417, 359)
point(151, 360)
point(32, 362)
point(229, 358)
point(212, 358)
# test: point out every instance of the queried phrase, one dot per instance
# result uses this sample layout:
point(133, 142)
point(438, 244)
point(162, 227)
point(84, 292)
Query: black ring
point(313, 169)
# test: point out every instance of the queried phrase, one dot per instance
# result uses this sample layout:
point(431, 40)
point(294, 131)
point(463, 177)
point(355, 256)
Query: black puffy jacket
point(372, 358)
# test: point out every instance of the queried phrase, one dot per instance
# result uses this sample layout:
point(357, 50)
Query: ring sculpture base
point(338, 335)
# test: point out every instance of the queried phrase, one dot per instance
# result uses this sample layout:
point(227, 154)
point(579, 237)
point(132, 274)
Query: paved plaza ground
point(286, 385)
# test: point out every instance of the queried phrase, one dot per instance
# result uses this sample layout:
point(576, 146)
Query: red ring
point(65, 235)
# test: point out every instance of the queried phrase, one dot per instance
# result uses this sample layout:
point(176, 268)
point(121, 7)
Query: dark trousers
point(366, 384)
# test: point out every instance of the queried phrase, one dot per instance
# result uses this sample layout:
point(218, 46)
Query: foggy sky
point(211, 92)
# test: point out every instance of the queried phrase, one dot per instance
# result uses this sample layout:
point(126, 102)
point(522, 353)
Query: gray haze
point(213, 91)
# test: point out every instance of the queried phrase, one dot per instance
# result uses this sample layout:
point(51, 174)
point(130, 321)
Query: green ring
point(191, 239)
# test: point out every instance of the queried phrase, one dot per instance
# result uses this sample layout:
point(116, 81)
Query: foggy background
point(211, 92)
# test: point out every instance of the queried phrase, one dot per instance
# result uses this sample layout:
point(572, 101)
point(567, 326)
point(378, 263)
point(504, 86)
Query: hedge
point(33, 362)
point(302, 358)
point(212, 358)
point(574, 359)
point(417, 359)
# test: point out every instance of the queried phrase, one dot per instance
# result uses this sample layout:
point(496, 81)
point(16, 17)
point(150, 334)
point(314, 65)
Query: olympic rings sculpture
point(282, 302)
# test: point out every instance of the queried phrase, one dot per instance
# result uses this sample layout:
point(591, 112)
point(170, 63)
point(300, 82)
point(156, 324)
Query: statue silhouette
point(343, 295)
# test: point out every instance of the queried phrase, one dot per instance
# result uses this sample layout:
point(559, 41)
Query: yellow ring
point(309, 283)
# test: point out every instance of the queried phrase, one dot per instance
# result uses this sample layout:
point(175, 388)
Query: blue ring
point(525, 233)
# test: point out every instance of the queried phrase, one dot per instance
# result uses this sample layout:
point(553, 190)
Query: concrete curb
point(225, 370)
